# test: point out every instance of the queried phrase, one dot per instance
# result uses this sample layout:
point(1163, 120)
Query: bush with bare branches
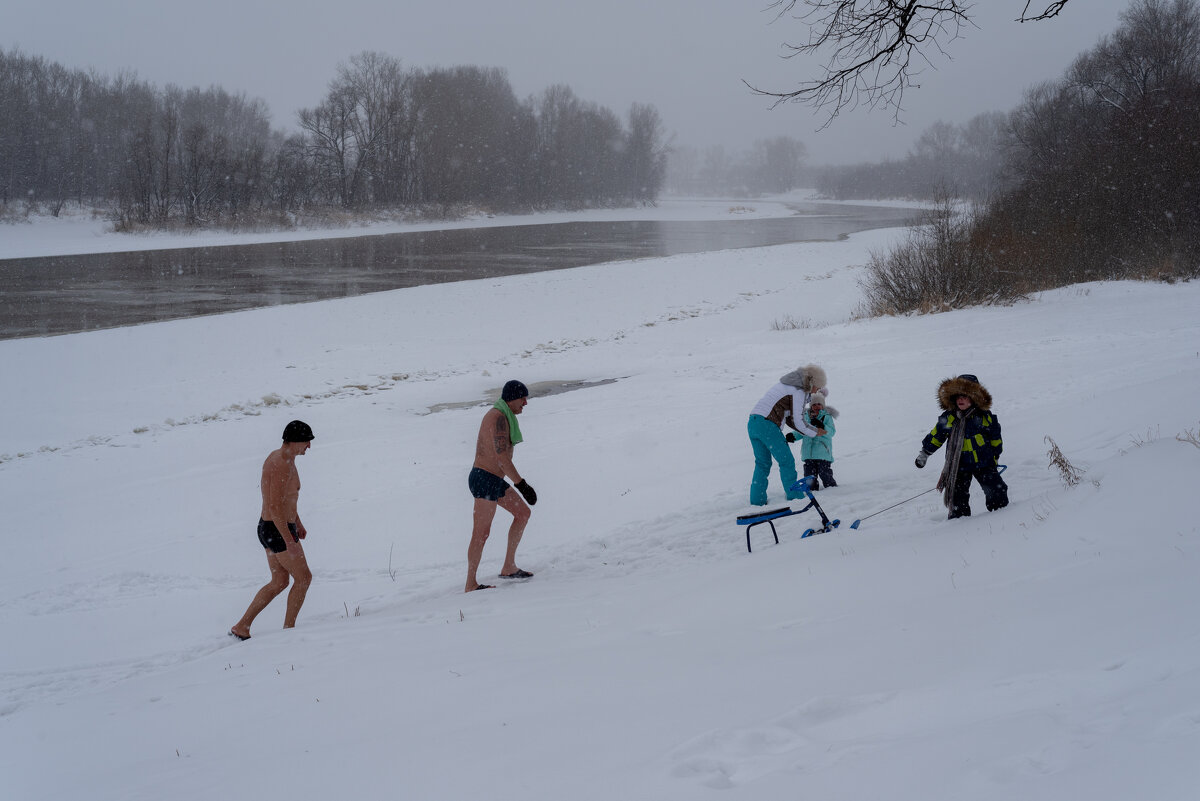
point(1069, 473)
point(1190, 435)
point(940, 266)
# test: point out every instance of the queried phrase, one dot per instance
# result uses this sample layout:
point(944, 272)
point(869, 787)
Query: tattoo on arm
point(501, 438)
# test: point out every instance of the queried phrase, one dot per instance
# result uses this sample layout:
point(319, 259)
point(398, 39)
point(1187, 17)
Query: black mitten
point(527, 492)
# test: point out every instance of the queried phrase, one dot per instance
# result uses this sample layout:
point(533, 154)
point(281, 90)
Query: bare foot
point(236, 633)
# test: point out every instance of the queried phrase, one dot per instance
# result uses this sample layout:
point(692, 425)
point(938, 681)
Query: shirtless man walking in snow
point(498, 435)
point(285, 555)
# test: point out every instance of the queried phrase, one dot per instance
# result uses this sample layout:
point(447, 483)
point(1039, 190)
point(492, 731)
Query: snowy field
point(1050, 650)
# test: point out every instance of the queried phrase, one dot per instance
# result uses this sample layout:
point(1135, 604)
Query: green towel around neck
point(514, 428)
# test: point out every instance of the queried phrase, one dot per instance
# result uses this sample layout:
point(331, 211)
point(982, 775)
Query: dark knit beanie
point(298, 431)
point(514, 389)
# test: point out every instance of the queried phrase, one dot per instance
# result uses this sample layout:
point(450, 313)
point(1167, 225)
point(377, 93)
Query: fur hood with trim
point(819, 397)
point(965, 384)
point(809, 378)
point(829, 410)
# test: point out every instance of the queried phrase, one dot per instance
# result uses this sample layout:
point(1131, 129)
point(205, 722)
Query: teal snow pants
point(768, 442)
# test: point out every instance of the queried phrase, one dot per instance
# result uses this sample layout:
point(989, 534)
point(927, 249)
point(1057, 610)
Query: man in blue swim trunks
point(285, 556)
point(499, 433)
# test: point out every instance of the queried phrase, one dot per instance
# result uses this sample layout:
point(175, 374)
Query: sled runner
point(769, 517)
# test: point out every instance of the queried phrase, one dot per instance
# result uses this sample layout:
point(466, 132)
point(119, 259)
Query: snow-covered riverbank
point(1044, 651)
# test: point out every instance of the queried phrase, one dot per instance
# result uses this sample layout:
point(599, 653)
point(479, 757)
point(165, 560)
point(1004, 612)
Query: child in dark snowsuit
point(972, 435)
point(817, 450)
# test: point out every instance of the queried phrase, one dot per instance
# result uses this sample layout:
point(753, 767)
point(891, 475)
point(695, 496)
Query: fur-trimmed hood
point(967, 385)
point(829, 410)
point(825, 407)
point(809, 378)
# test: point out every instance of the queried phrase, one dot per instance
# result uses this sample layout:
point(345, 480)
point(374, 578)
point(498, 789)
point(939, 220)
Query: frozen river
point(68, 294)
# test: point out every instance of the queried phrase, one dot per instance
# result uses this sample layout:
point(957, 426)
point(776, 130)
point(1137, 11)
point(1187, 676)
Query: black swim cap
point(298, 431)
point(514, 389)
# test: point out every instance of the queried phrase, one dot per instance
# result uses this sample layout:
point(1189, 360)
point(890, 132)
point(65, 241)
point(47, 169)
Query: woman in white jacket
point(783, 404)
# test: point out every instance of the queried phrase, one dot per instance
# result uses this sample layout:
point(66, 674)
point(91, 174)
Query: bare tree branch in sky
point(875, 49)
point(1051, 10)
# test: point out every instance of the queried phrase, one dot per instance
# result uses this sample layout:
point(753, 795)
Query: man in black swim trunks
point(285, 556)
point(498, 435)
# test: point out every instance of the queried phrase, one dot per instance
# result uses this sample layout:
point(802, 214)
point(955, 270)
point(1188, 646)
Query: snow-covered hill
point(1050, 650)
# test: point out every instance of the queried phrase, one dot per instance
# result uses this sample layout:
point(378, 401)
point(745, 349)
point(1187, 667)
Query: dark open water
point(68, 294)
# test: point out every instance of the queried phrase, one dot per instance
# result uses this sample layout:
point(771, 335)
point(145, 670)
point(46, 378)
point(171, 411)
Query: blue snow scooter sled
point(769, 517)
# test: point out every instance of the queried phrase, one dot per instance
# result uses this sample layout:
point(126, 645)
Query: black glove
point(527, 492)
point(922, 458)
point(790, 437)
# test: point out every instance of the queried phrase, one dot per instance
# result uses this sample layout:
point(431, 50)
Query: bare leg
point(294, 562)
point(290, 564)
point(264, 596)
point(484, 512)
point(513, 503)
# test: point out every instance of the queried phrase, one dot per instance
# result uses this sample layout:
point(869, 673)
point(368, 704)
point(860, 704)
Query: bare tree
point(328, 128)
point(351, 132)
point(645, 154)
point(466, 136)
point(581, 149)
point(377, 88)
point(876, 48)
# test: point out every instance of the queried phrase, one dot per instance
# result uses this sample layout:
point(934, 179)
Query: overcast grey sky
point(686, 57)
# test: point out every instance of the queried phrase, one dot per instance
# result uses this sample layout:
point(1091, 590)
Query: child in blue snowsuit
point(971, 432)
point(817, 451)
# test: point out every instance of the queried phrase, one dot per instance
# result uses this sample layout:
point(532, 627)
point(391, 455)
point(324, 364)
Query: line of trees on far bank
point(384, 136)
point(1100, 174)
point(970, 157)
point(769, 166)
